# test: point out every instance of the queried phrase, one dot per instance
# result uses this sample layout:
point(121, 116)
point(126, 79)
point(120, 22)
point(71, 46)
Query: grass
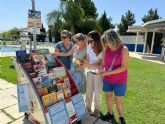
point(144, 102)
point(7, 70)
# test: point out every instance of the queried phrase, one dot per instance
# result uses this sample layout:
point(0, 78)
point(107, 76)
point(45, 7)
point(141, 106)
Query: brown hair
point(95, 35)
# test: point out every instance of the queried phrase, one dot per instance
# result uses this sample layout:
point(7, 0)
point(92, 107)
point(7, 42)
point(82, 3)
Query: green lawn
point(7, 70)
point(144, 102)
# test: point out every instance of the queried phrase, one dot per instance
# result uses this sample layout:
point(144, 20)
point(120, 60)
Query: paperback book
point(60, 95)
point(40, 70)
point(43, 51)
point(60, 72)
point(49, 99)
point(46, 81)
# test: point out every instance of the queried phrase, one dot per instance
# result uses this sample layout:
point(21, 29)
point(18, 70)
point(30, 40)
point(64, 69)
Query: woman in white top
point(94, 81)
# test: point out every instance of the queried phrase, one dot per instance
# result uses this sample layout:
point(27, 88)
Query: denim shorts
point(119, 89)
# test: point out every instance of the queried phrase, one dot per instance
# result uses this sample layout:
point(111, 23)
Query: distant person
point(63, 47)
point(115, 62)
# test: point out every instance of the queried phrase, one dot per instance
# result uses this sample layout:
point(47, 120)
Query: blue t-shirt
point(66, 60)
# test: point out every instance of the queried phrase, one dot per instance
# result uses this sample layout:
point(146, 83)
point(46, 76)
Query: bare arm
point(58, 53)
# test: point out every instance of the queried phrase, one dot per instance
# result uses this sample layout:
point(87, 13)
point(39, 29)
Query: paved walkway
point(9, 107)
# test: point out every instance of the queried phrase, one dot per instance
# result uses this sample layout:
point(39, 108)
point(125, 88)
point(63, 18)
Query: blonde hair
point(110, 36)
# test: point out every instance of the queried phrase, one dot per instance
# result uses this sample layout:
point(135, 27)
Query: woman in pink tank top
point(115, 61)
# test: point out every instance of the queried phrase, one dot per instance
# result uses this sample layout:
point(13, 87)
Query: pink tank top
point(109, 57)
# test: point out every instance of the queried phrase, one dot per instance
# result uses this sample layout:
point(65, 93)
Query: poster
point(58, 113)
point(23, 98)
point(79, 106)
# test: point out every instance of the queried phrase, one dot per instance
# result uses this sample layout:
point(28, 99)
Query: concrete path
point(9, 107)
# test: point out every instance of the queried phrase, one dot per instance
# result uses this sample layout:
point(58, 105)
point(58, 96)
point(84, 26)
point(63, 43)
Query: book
point(43, 51)
point(79, 106)
point(52, 88)
point(37, 82)
point(67, 93)
point(60, 95)
point(59, 72)
point(22, 56)
point(33, 52)
point(23, 98)
point(46, 81)
point(40, 70)
point(33, 75)
point(71, 110)
point(50, 61)
point(52, 76)
point(49, 99)
point(42, 91)
point(39, 59)
point(58, 113)
point(60, 86)
point(66, 83)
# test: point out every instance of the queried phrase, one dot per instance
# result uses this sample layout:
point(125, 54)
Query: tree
point(42, 35)
point(105, 23)
point(50, 33)
point(73, 15)
point(127, 20)
point(152, 15)
point(89, 8)
point(14, 33)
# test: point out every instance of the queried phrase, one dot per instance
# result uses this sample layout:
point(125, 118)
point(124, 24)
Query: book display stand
point(46, 91)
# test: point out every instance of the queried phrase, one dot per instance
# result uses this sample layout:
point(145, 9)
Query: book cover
point(22, 56)
point(66, 82)
point(40, 70)
point(58, 113)
point(60, 95)
point(46, 81)
point(59, 72)
point(33, 52)
point(60, 86)
point(42, 91)
point(37, 82)
point(23, 98)
point(39, 58)
point(71, 110)
point(50, 61)
point(52, 88)
point(67, 93)
point(43, 51)
point(49, 99)
point(51, 76)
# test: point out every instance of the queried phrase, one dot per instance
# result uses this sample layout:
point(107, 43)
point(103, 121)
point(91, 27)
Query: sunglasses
point(63, 37)
point(90, 41)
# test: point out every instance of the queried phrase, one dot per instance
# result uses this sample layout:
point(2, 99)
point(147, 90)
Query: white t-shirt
point(93, 58)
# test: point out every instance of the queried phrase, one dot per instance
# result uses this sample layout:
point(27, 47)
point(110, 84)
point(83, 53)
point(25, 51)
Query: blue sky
point(13, 13)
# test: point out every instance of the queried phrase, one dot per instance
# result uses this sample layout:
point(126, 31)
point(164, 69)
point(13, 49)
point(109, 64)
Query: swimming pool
point(9, 48)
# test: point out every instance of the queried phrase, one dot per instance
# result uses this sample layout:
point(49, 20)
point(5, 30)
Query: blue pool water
point(9, 48)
